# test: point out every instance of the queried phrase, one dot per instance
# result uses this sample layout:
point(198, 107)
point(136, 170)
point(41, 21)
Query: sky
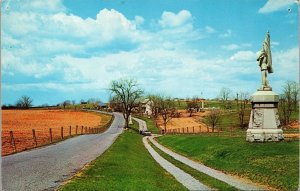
point(72, 49)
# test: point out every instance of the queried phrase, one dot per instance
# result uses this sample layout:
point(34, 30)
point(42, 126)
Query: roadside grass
point(150, 124)
point(126, 165)
point(203, 178)
point(275, 164)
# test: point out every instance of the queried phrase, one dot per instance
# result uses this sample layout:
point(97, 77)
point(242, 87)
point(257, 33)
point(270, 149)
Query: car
point(146, 133)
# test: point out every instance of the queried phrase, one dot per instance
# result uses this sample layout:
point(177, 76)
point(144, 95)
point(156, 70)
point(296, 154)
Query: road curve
point(45, 168)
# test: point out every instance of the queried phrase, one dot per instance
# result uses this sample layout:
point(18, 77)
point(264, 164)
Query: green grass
point(150, 124)
point(273, 164)
point(203, 178)
point(126, 165)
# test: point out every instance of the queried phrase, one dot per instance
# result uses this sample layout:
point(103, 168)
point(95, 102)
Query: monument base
point(264, 135)
point(264, 124)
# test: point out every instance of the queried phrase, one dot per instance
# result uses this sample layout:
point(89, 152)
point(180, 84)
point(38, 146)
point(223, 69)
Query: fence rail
point(15, 141)
point(290, 135)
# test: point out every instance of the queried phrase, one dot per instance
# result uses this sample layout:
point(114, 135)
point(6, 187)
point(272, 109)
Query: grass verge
point(275, 164)
point(126, 165)
point(203, 178)
point(150, 124)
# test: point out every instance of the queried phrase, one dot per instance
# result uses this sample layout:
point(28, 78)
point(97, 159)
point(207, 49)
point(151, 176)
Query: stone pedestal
point(130, 120)
point(264, 124)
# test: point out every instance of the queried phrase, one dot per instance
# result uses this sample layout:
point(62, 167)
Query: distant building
point(147, 106)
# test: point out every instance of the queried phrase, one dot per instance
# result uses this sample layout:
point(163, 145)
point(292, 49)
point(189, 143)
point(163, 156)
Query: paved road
point(45, 168)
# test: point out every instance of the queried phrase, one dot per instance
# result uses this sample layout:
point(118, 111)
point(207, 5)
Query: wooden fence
point(289, 134)
point(14, 141)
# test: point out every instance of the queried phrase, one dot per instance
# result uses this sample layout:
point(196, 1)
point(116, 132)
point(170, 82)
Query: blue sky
point(71, 49)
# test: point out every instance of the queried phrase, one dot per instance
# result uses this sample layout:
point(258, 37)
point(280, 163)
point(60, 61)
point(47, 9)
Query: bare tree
point(24, 102)
point(126, 92)
point(166, 109)
point(242, 99)
point(224, 96)
point(65, 103)
point(154, 101)
point(213, 118)
point(286, 103)
point(295, 94)
point(192, 106)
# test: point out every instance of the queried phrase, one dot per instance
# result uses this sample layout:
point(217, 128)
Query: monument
point(264, 124)
point(130, 120)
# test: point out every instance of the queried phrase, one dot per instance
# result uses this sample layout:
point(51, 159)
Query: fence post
point(62, 132)
point(200, 129)
point(85, 129)
point(89, 130)
point(81, 129)
point(70, 131)
point(76, 129)
point(12, 140)
point(193, 129)
point(34, 137)
point(50, 132)
point(187, 129)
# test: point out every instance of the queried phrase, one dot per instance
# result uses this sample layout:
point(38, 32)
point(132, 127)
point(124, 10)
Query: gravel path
point(235, 182)
point(184, 178)
point(47, 167)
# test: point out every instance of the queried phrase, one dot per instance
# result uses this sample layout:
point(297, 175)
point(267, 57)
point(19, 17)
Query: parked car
point(146, 133)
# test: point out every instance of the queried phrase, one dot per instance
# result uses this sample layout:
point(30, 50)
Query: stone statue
point(264, 124)
point(265, 62)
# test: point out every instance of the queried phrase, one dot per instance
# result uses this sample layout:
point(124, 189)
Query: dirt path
point(45, 168)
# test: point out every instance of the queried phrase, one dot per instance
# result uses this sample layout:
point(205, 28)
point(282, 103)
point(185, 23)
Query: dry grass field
point(185, 123)
point(21, 122)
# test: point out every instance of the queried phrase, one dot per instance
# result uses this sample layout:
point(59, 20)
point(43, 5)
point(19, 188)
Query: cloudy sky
point(71, 49)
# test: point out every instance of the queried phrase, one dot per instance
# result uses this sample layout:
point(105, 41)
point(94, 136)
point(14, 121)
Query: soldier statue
point(265, 62)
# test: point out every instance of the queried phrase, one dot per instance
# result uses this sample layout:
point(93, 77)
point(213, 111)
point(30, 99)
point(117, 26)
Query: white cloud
point(170, 19)
point(276, 5)
point(227, 34)
point(244, 56)
point(43, 6)
point(230, 47)
point(209, 29)
point(138, 20)
point(286, 63)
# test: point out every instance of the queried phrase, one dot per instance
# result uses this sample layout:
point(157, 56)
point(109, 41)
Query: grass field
point(126, 165)
point(21, 122)
point(273, 164)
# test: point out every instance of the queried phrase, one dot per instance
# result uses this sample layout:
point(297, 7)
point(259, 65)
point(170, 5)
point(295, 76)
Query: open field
point(21, 122)
point(185, 122)
point(126, 165)
point(275, 164)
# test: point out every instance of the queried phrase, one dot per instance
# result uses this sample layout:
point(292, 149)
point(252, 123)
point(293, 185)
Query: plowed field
point(21, 123)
